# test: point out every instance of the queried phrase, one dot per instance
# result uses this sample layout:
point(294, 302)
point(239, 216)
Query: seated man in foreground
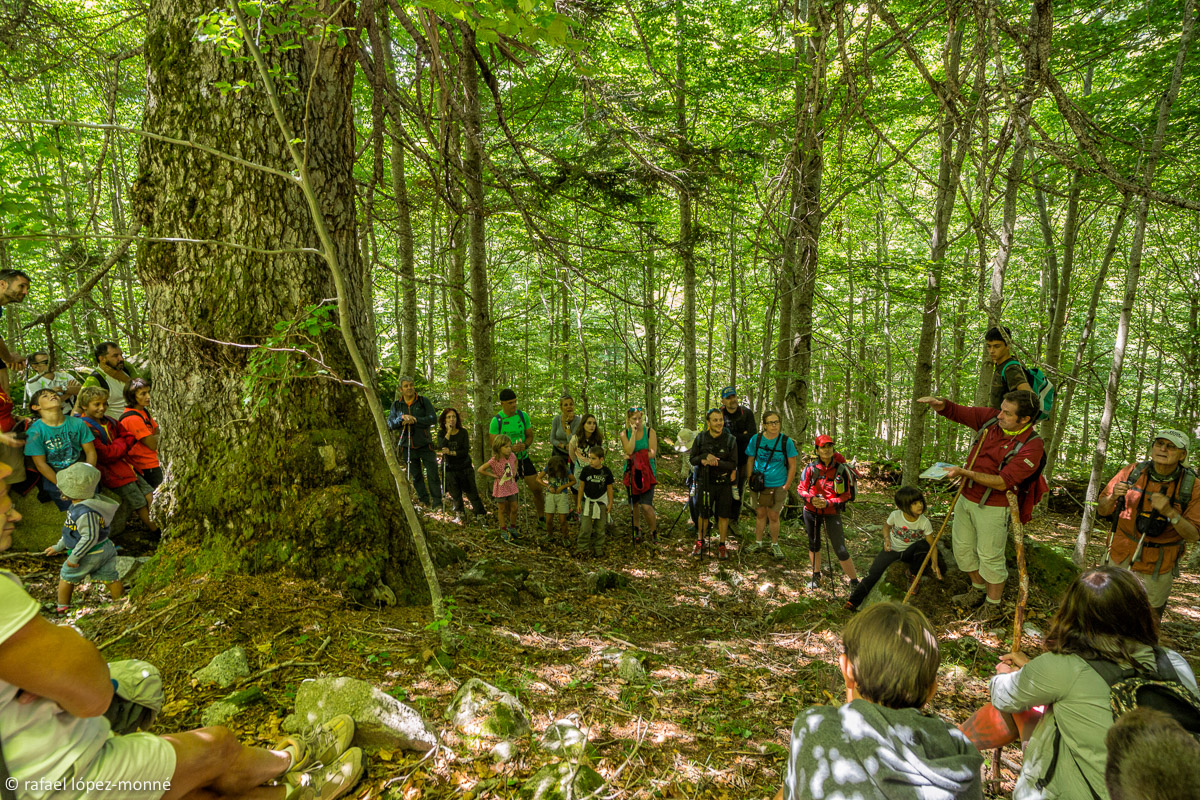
point(54, 690)
point(879, 743)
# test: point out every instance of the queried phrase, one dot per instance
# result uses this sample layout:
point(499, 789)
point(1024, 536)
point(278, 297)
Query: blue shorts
point(100, 564)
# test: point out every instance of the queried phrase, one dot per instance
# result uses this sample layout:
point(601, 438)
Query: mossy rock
point(1050, 568)
point(480, 709)
point(790, 612)
point(561, 781)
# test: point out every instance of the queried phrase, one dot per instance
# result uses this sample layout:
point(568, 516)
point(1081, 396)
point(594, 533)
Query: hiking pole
point(679, 516)
point(949, 511)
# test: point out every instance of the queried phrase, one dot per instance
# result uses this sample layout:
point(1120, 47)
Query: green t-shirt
point(513, 427)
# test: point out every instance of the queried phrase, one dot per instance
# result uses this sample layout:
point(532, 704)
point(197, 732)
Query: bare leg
point(212, 758)
point(116, 589)
point(64, 592)
point(773, 521)
point(651, 519)
point(760, 523)
point(815, 560)
point(722, 528)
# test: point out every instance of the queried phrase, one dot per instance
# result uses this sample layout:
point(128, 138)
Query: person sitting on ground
point(640, 443)
point(502, 468)
point(774, 455)
point(1006, 456)
point(90, 553)
point(739, 423)
point(715, 451)
point(516, 425)
point(55, 442)
point(45, 378)
point(454, 443)
point(907, 537)
point(112, 373)
point(413, 415)
point(1159, 512)
point(557, 480)
point(595, 499)
point(138, 423)
point(1151, 757)
point(825, 485)
point(1008, 373)
point(879, 744)
point(55, 688)
point(1105, 616)
point(112, 449)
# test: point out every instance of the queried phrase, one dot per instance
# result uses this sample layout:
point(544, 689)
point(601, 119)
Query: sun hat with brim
point(78, 481)
point(1177, 438)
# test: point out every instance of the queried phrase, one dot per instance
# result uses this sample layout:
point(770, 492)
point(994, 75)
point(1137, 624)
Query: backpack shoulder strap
point(131, 412)
point(1163, 665)
point(1187, 483)
point(1110, 671)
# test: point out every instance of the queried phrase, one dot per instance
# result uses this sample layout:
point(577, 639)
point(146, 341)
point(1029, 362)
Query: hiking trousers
point(418, 460)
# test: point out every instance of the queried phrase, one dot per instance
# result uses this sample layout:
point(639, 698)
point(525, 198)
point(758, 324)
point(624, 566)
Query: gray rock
point(504, 752)
point(127, 567)
point(604, 579)
point(380, 719)
point(225, 669)
point(630, 667)
point(488, 571)
point(560, 782)
point(227, 708)
point(480, 709)
point(564, 739)
point(382, 594)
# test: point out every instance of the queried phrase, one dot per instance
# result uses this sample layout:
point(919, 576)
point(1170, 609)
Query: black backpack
point(1133, 688)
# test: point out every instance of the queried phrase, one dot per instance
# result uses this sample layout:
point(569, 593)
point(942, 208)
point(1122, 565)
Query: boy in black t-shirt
point(594, 502)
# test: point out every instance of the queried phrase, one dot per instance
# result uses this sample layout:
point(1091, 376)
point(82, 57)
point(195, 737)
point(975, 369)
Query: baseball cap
point(1177, 438)
point(824, 439)
point(507, 394)
point(728, 392)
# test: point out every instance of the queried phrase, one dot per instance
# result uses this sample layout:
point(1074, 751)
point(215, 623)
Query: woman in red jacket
point(825, 487)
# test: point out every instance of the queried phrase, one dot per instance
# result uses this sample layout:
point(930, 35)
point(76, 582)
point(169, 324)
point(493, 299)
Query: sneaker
point(815, 583)
point(506, 534)
point(776, 550)
point(848, 606)
point(853, 584)
point(326, 782)
point(972, 598)
point(722, 553)
point(698, 550)
point(637, 535)
point(755, 547)
point(321, 745)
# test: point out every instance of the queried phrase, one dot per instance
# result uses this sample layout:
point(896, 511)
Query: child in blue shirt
point(55, 442)
point(90, 553)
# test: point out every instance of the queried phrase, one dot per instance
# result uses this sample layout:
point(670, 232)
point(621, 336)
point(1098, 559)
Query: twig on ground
point(144, 623)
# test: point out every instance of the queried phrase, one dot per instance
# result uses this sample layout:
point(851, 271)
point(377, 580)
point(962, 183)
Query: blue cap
point(727, 392)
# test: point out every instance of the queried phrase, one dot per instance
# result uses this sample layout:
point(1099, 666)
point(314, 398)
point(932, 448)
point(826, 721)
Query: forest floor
point(724, 686)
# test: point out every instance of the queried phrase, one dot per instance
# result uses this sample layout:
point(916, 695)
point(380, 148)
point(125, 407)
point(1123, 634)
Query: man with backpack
point(413, 415)
point(1156, 511)
point(1007, 456)
point(515, 424)
point(1008, 373)
point(739, 422)
point(111, 374)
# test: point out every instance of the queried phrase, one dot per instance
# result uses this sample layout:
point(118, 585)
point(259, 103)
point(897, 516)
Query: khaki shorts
point(137, 766)
point(1158, 587)
point(772, 499)
point(979, 536)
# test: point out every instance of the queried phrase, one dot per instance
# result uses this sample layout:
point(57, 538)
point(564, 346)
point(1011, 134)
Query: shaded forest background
point(637, 203)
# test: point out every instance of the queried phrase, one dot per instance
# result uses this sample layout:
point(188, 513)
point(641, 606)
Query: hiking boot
point(722, 553)
point(776, 550)
point(321, 745)
point(698, 550)
point(637, 535)
point(815, 583)
point(972, 598)
point(326, 782)
point(754, 547)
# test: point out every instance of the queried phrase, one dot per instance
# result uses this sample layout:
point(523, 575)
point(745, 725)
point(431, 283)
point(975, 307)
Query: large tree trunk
point(275, 472)
point(687, 245)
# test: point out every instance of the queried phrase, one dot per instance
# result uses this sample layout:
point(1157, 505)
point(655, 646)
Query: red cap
point(824, 439)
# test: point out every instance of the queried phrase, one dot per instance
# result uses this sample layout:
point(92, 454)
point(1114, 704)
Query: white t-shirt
point(57, 380)
point(40, 740)
point(904, 533)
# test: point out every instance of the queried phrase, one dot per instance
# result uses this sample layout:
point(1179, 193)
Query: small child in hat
point(90, 553)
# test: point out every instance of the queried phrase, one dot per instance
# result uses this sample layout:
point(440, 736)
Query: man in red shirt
point(1008, 452)
point(1159, 512)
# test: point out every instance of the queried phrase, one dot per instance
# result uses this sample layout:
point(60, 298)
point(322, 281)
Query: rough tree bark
point(277, 473)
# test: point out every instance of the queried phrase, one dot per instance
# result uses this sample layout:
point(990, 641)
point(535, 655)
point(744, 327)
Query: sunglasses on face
point(39, 363)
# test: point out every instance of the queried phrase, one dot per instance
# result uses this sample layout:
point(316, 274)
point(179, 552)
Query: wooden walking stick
point(1022, 572)
point(949, 511)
